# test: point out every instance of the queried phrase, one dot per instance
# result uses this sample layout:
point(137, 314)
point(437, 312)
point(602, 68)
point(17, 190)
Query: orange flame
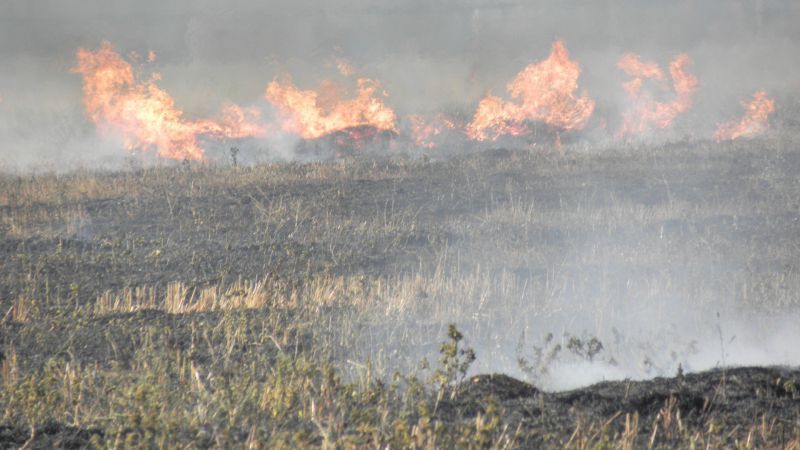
point(423, 132)
point(144, 114)
point(754, 122)
point(647, 111)
point(544, 92)
point(313, 114)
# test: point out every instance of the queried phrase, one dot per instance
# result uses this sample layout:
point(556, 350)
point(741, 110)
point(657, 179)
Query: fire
point(145, 115)
point(118, 100)
point(312, 114)
point(423, 132)
point(646, 111)
point(543, 91)
point(237, 122)
point(499, 117)
point(754, 122)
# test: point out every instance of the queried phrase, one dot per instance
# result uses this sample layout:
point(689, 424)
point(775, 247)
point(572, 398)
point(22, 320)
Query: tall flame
point(544, 92)
point(312, 114)
point(754, 122)
point(144, 115)
point(646, 111)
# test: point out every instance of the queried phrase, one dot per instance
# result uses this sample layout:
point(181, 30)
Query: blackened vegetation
point(51, 435)
point(354, 141)
point(756, 405)
point(305, 305)
point(726, 399)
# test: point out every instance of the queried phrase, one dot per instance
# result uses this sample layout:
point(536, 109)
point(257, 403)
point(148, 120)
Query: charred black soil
point(744, 406)
point(310, 304)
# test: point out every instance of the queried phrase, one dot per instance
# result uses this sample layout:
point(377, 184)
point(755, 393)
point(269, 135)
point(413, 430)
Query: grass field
point(365, 302)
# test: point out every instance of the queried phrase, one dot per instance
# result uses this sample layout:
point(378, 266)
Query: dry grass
point(178, 298)
point(23, 310)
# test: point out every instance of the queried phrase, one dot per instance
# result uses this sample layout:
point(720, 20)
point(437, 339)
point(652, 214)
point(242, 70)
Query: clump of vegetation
point(454, 361)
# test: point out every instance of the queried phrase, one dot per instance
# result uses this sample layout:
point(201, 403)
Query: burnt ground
point(362, 264)
point(738, 402)
point(665, 407)
point(195, 225)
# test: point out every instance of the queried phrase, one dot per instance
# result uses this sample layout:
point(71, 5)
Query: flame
point(544, 91)
point(356, 137)
point(313, 114)
point(647, 112)
point(754, 122)
point(144, 114)
point(497, 116)
point(423, 132)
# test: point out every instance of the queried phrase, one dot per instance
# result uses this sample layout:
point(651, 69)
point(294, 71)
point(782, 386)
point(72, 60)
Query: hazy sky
point(429, 54)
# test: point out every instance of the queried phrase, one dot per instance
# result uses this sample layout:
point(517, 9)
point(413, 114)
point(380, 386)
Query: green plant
point(454, 360)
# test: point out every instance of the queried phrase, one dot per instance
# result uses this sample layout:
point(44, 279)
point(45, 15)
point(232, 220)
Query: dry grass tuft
point(178, 298)
point(23, 310)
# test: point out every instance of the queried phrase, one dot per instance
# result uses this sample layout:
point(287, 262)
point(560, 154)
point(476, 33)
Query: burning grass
point(357, 112)
point(754, 123)
point(313, 114)
point(144, 115)
point(542, 92)
point(645, 111)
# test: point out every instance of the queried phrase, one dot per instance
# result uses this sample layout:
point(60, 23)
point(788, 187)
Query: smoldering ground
point(185, 290)
point(668, 257)
point(664, 259)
